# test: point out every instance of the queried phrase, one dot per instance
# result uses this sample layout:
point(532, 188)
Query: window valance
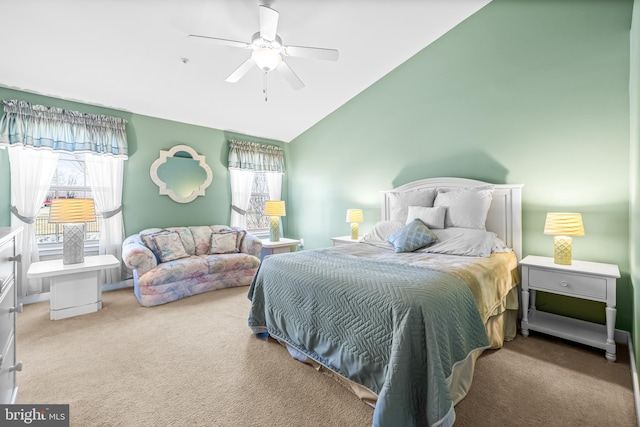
point(255, 157)
point(62, 130)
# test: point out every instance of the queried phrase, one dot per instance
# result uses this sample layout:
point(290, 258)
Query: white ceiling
point(126, 55)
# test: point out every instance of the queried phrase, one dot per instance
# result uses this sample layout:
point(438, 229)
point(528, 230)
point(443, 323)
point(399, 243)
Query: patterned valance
point(61, 130)
point(255, 157)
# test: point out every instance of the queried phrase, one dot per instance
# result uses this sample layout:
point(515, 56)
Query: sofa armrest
point(251, 245)
point(137, 256)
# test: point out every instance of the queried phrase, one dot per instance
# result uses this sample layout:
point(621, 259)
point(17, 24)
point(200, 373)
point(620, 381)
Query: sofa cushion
point(175, 271)
point(230, 262)
point(169, 246)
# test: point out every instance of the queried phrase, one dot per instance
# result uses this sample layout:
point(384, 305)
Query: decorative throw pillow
point(147, 238)
point(187, 238)
point(399, 202)
point(225, 242)
point(201, 238)
point(432, 217)
point(466, 208)
point(412, 236)
point(169, 246)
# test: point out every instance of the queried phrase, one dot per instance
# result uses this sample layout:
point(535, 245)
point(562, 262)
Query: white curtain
point(241, 184)
point(31, 173)
point(106, 177)
point(246, 158)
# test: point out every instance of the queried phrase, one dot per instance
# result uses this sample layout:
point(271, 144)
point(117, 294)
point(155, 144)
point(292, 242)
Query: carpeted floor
point(194, 362)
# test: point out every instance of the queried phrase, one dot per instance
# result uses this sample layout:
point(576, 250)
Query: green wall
point(143, 207)
point(530, 92)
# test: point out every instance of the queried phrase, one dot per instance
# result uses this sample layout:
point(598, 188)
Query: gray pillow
point(399, 202)
point(432, 217)
point(466, 208)
point(462, 241)
point(412, 236)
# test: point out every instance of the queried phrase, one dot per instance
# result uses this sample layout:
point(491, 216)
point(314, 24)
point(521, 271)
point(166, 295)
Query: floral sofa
point(173, 263)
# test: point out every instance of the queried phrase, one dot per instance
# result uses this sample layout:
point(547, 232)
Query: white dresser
point(8, 309)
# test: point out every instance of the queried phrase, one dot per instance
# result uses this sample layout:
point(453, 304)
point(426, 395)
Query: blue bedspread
point(395, 329)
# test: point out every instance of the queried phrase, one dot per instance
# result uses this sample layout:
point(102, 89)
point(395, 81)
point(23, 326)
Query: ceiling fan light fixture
point(266, 59)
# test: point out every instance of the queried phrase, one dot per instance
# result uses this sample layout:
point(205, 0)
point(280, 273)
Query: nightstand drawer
point(569, 284)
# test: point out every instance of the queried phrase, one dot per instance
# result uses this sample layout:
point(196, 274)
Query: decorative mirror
point(181, 173)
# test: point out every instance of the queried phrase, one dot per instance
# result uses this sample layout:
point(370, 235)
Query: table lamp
point(73, 213)
point(354, 216)
point(562, 226)
point(274, 209)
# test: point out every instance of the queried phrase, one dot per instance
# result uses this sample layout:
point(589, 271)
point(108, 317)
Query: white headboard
point(505, 214)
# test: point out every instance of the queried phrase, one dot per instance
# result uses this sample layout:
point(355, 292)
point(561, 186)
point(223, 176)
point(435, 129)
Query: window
point(257, 223)
point(70, 180)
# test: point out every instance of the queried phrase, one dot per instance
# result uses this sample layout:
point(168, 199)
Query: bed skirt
point(500, 328)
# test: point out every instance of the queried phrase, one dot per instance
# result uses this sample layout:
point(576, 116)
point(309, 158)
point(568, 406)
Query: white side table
point(75, 288)
point(282, 246)
point(344, 240)
point(586, 280)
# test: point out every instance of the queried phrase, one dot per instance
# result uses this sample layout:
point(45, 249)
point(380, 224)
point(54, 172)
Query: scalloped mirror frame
point(164, 154)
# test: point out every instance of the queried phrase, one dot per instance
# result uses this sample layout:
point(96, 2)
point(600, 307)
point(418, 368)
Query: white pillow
point(432, 217)
point(466, 208)
point(399, 202)
point(462, 241)
point(500, 246)
point(380, 232)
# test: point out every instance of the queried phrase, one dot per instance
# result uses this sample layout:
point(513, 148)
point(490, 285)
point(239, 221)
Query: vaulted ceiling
point(134, 55)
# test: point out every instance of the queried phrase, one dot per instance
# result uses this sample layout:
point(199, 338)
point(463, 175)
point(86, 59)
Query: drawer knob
point(16, 309)
point(17, 258)
point(564, 283)
point(16, 367)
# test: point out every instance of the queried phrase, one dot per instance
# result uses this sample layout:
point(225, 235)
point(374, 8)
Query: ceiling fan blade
point(290, 76)
point(240, 71)
point(268, 22)
point(311, 52)
point(225, 42)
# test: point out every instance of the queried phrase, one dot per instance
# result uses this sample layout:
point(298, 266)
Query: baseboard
point(120, 285)
point(634, 376)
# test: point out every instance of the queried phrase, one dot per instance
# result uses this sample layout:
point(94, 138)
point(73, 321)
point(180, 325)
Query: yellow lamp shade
point(72, 211)
point(274, 208)
point(564, 224)
point(355, 215)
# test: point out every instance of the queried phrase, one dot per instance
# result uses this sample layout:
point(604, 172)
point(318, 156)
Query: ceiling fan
point(267, 51)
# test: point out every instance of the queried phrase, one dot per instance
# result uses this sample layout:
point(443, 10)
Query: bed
point(402, 316)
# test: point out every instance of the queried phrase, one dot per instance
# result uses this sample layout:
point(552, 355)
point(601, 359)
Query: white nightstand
point(586, 280)
point(75, 288)
point(344, 240)
point(282, 246)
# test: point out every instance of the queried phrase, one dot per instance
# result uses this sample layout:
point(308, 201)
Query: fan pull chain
point(264, 86)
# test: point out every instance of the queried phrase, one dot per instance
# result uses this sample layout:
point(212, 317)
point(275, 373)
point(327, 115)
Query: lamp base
point(274, 228)
point(73, 244)
point(354, 231)
point(562, 250)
